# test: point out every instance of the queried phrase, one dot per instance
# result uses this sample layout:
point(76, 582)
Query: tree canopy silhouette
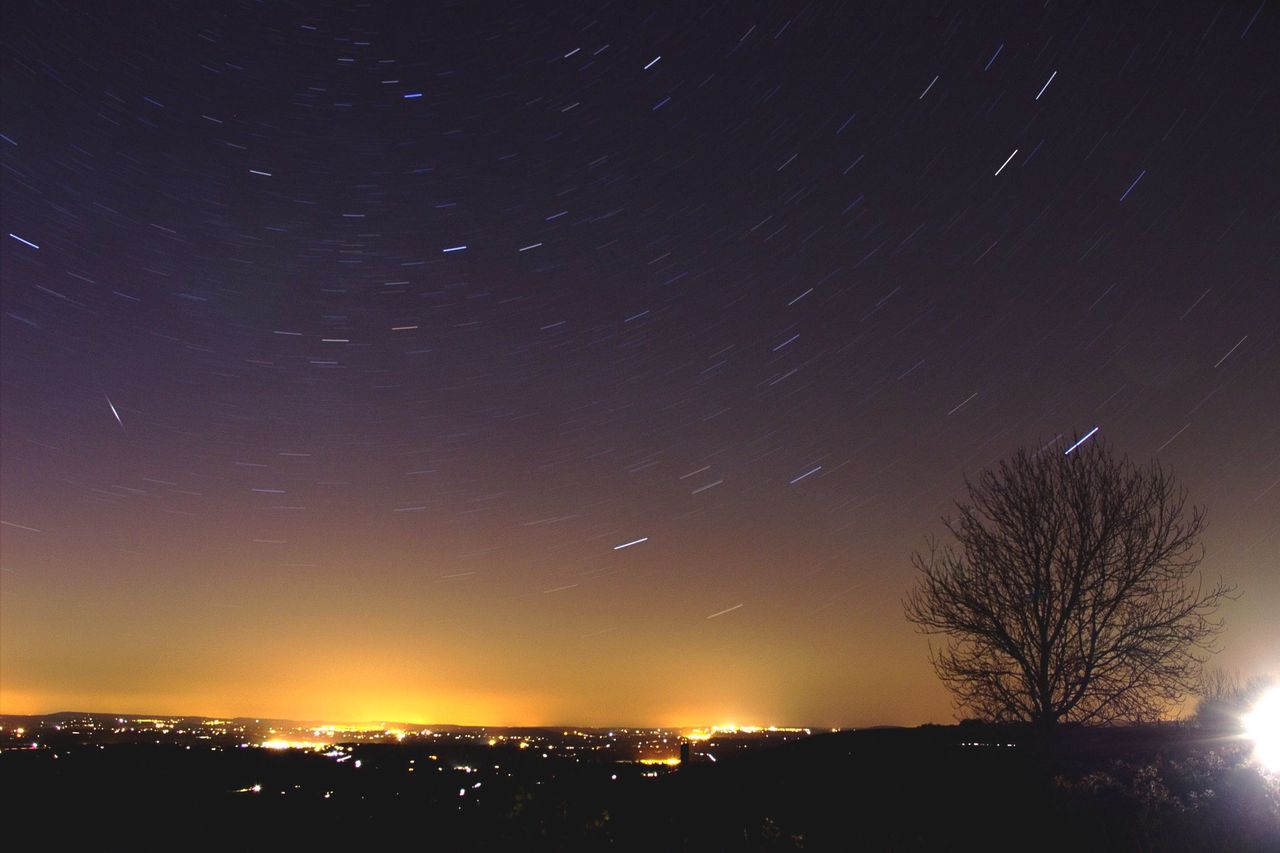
point(1072, 591)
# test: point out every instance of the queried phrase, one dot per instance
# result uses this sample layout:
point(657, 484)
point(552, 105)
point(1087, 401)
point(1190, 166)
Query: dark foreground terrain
point(934, 788)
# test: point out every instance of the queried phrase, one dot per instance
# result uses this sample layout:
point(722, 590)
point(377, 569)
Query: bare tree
point(1224, 700)
point(1072, 591)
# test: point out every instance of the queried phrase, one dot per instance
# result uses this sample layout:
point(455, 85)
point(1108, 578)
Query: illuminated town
point(480, 769)
point(589, 425)
point(475, 787)
point(648, 747)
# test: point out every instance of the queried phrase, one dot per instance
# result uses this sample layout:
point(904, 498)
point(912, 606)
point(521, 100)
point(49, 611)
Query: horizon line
point(319, 721)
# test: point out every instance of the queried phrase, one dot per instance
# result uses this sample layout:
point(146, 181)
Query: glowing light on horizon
point(282, 743)
point(701, 734)
point(1262, 726)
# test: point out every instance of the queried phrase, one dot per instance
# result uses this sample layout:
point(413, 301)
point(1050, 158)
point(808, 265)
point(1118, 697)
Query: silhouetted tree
point(1072, 591)
point(1224, 701)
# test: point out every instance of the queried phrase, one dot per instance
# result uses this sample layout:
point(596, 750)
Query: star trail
point(600, 364)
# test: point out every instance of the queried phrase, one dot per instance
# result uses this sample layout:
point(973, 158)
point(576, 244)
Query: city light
point(281, 743)
point(730, 729)
point(1262, 726)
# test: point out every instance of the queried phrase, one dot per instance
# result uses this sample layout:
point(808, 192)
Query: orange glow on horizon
point(299, 654)
point(543, 403)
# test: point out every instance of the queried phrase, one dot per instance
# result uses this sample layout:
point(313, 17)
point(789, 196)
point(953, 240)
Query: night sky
point(602, 363)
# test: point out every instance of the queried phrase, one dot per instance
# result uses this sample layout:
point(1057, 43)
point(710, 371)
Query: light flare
point(1262, 726)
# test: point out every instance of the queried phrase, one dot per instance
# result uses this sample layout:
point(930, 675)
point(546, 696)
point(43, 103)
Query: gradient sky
point(343, 348)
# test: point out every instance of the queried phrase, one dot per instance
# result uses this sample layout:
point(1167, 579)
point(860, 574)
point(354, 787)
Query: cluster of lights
point(282, 743)
point(731, 729)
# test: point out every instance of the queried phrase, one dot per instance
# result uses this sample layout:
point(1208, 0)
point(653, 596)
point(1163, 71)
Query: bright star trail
point(465, 365)
point(1088, 435)
point(114, 412)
